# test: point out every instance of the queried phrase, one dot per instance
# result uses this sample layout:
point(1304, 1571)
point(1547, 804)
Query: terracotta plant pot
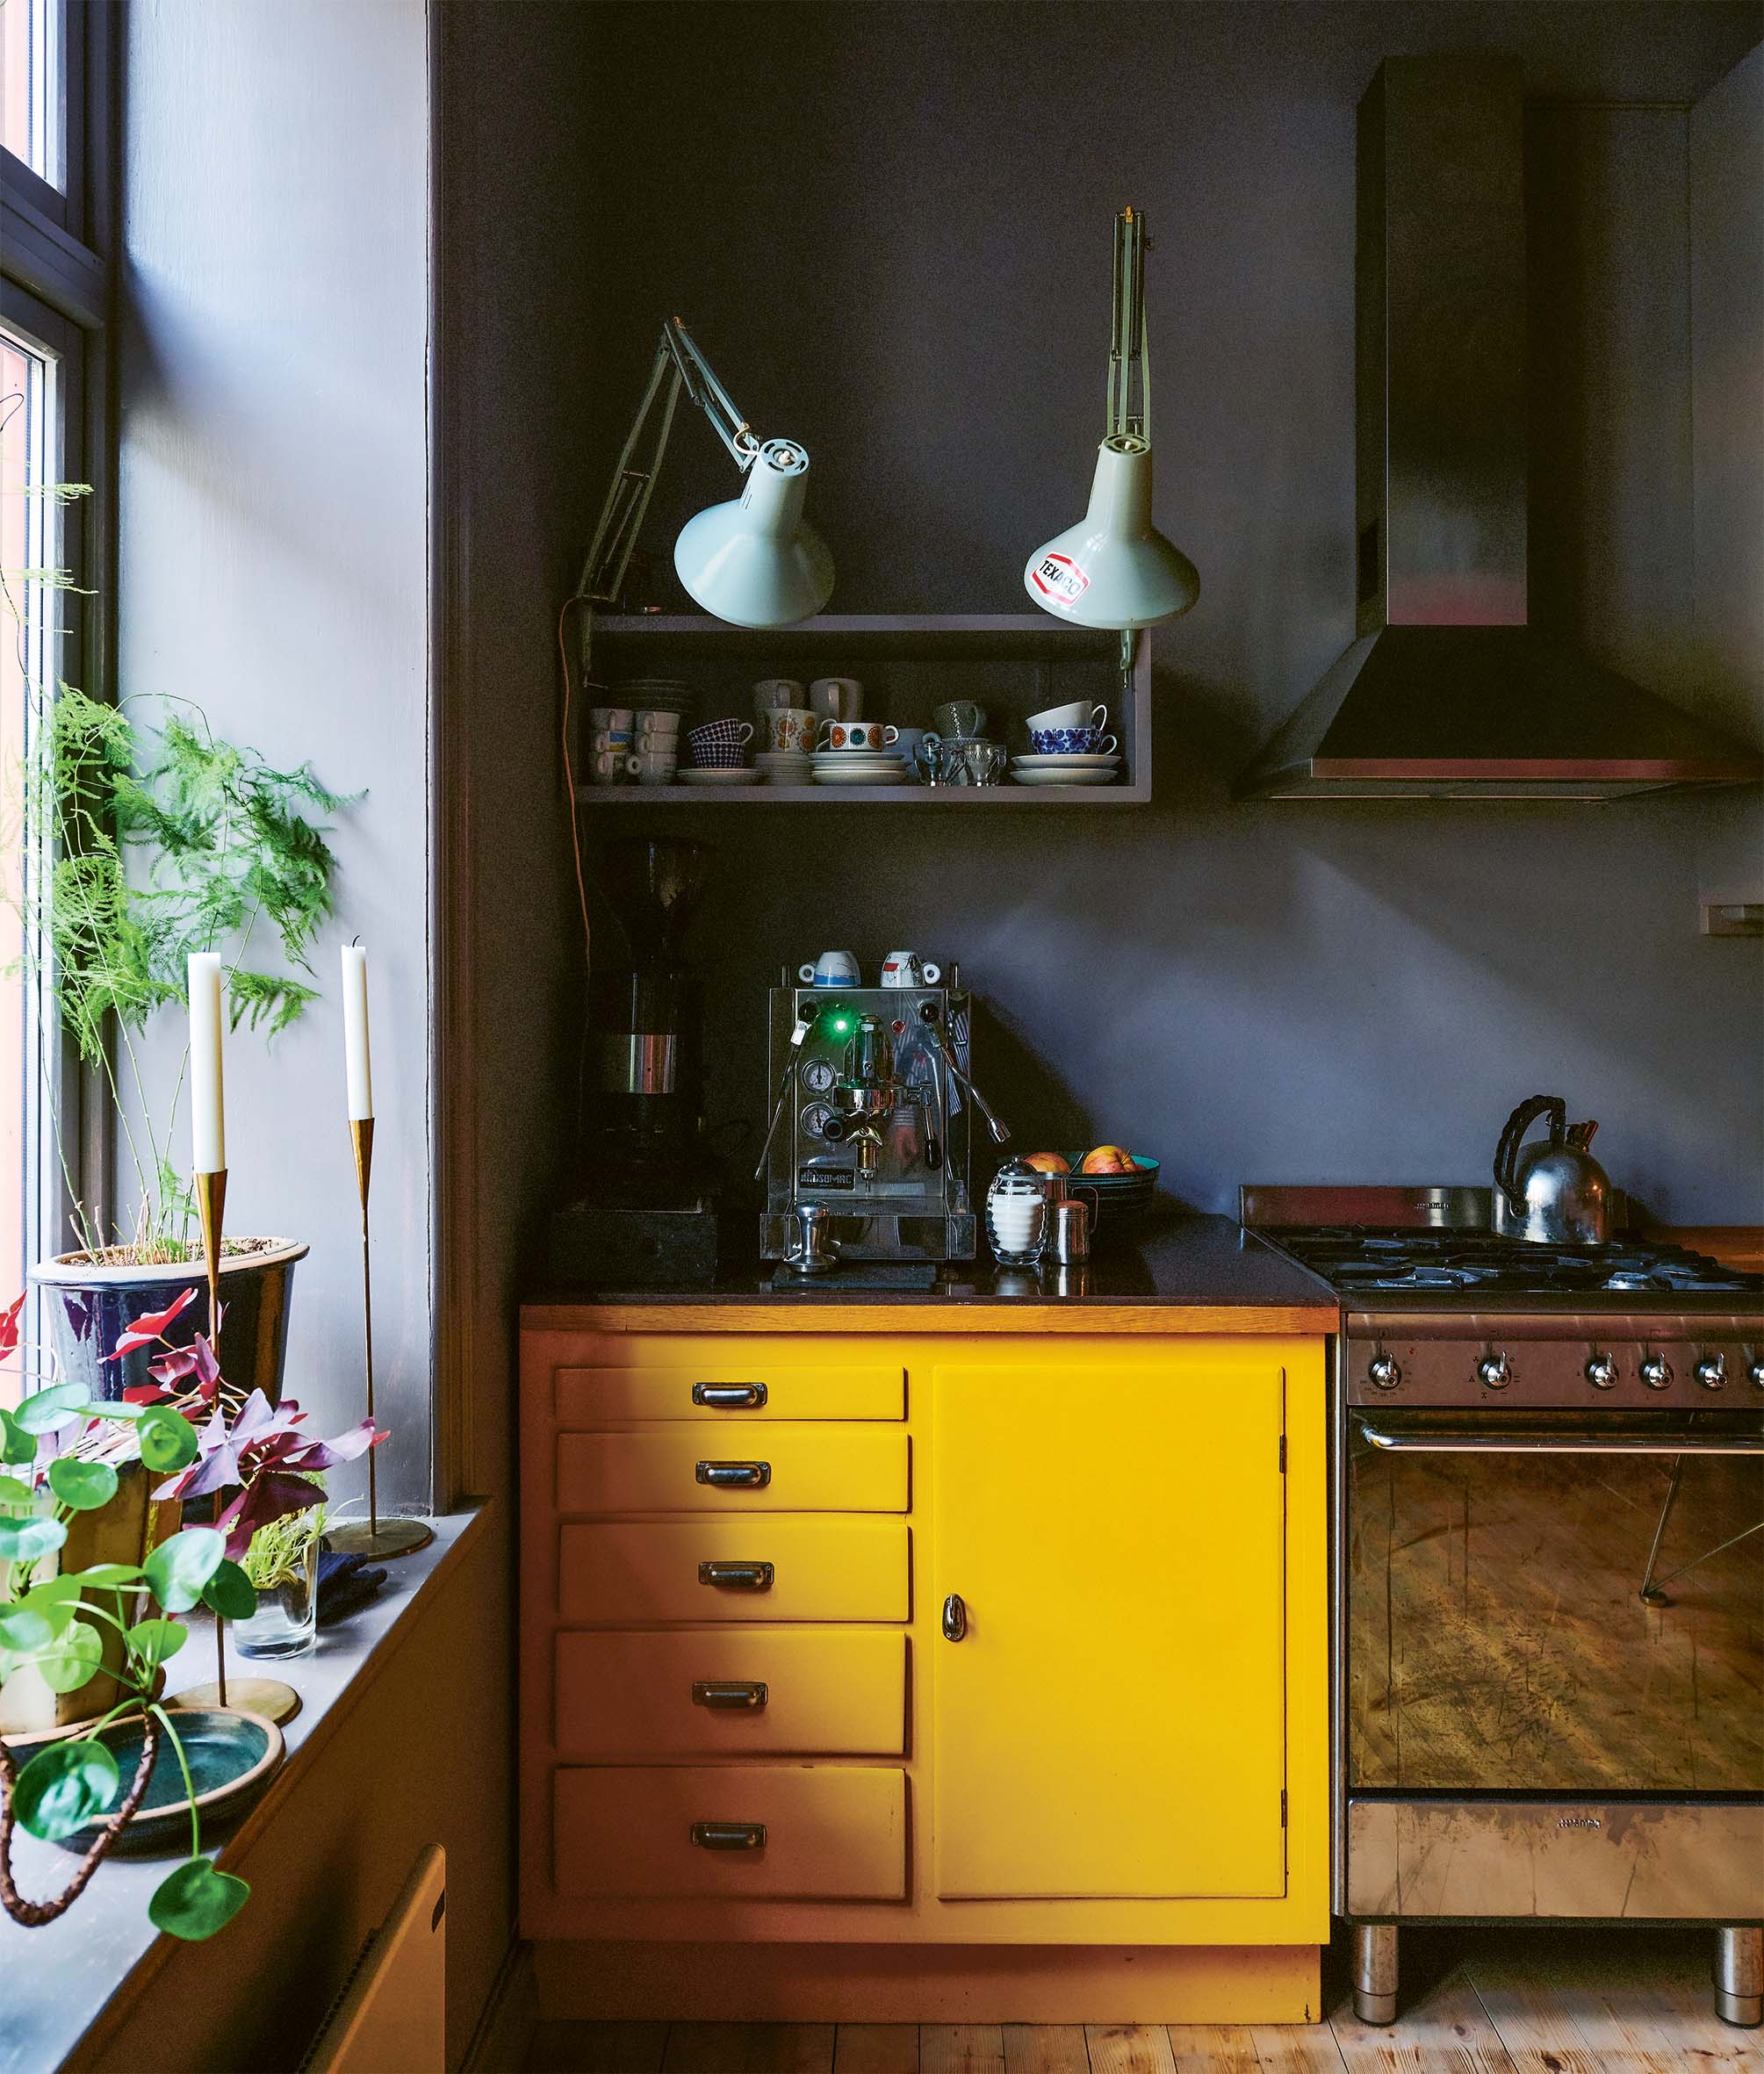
point(88, 1304)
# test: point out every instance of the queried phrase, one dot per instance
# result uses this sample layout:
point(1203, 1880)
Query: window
point(54, 288)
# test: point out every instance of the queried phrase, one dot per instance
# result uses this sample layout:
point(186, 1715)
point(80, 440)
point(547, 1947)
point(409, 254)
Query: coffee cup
point(718, 743)
point(907, 968)
point(649, 722)
point(656, 767)
point(606, 737)
point(856, 734)
point(790, 727)
point(612, 719)
point(832, 968)
point(1075, 714)
point(777, 694)
point(837, 698)
point(960, 717)
point(612, 767)
point(1070, 741)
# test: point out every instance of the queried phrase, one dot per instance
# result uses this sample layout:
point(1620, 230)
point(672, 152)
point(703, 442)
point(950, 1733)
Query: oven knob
point(1656, 1372)
point(1756, 1373)
point(1494, 1373)
point(1711, 1371)
point(1385, 1373)
point(1601, 1372)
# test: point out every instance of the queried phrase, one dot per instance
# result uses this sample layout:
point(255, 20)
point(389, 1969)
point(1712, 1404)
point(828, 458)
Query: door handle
point(954, 1618)
point(737, 1577)
point(729, 1836)
point(1492, 1441)
point(729, 1396)
point(728, 1692)
point(735, 1476)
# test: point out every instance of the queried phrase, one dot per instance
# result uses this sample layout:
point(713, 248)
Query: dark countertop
point(1188, 1274)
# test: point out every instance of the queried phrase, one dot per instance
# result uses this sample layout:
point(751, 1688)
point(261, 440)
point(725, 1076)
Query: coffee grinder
point(645, 1207)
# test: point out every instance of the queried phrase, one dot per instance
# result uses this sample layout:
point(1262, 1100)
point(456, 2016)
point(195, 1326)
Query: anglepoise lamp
point(1114, 568)
point(755, 561)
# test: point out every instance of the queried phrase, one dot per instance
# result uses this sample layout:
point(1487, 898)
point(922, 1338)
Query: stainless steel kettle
point(1554, 1193)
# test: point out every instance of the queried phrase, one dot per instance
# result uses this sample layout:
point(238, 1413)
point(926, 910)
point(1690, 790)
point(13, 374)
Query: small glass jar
point(286, 1621)
point(1016, 1215)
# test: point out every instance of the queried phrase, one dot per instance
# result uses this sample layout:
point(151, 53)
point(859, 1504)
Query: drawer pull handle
point(729, 1836)
point(735, 1476)
point(738, 1577)
point(954, 1618)
point(729, 1396)
point(725, 1693)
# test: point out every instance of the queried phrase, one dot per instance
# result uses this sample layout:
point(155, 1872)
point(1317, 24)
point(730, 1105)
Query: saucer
point(1070, 759)
point(893, 775)
point(1064, 777)
point(733, 774)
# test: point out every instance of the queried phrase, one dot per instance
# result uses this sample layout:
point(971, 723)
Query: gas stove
point(1370, 1260)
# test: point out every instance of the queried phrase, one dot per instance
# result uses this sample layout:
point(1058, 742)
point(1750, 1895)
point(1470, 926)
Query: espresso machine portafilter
point(867, 1150)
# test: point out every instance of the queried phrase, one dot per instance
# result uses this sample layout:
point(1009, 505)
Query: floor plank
point(1222, 2049)
point(876, 2049)
point(1445, 2031)
point(961, 2049)
point(596, 2048)
point(749, 2049)
point(1530, 2017)
point(1046, 2048)
point(1130, 2048)
point(1296, 2049)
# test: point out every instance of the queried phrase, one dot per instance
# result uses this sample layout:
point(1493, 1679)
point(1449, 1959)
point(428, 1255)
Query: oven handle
point(1465, 1443)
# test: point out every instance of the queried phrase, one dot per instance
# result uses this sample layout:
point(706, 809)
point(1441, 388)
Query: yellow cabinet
point(805, 1566)
point(729, 1389)
point(849, 1468)
point(1109, 1543)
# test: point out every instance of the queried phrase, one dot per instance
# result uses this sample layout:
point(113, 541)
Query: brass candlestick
point(268, 1696)
point(373, 1537)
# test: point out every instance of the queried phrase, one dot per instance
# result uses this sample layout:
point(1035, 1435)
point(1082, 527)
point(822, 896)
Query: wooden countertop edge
point(1158, 1320)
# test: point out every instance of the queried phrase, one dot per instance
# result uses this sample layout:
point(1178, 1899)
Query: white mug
point(773, 694)
point(832, 968)
point(614, 719)
point(907, 968)
point(652, 723)
point(837, 698)
point(657, 767)
point(1075, 713)
point(612, 767)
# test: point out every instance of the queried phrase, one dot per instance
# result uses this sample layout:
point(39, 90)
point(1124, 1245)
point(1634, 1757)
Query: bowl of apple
point(1118, 1186)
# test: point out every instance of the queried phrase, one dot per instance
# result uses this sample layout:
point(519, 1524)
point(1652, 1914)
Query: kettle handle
point(1506, 1152)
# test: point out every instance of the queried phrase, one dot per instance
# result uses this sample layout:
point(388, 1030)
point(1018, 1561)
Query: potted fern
point(156, 845)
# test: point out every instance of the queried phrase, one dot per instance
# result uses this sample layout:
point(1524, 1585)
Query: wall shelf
point(1012, 664)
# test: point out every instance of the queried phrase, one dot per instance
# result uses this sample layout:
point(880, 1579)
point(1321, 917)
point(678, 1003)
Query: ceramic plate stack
point(1074, 767)
point(859, 766)
point(652, 694)
point(717, 774)
point(785, 766)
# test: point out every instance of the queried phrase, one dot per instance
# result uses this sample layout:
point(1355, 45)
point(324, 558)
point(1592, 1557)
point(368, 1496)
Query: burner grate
point(1365, 1260)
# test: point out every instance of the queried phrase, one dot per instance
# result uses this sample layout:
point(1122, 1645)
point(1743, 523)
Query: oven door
point(1547, 1605)
point(1555, 1647)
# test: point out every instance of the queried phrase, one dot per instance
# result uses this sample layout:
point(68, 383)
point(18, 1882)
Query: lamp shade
point(755, 561)
point(1114, 568)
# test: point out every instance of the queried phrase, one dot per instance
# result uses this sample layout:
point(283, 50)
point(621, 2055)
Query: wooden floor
point(1541, 2002)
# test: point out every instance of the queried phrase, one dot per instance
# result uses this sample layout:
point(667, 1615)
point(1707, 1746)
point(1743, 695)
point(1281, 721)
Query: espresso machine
point(645, 1199)
point(867, 1149)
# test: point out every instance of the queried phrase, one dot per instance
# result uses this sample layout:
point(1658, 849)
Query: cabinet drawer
point(731, 1391)
point(847, 1468)
point(752, 1691)
point(824, 1832)
point(637, 1575)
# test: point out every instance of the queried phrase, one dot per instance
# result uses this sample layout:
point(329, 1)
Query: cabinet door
point(1112, 1721)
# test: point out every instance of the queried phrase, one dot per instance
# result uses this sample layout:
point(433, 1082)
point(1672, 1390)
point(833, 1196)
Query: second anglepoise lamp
point(755, 561)
point(1114, 568)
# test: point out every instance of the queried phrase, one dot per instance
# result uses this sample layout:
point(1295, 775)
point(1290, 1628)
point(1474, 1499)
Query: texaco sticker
point(1058, 577)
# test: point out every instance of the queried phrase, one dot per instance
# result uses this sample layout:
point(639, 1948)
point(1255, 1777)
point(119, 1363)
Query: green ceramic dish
point(232, 1757)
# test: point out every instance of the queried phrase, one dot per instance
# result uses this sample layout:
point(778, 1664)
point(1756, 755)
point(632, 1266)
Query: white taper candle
point(359, 1066)
point(207, 1099)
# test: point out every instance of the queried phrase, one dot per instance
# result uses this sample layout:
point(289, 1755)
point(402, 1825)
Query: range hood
point(1447, 693)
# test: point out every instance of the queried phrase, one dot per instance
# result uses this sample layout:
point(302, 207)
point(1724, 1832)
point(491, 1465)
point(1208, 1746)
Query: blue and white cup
point(718, 743)
point(832, 968)
point(1071, 741)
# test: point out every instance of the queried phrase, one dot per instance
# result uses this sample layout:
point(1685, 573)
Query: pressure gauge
point(818, 1076)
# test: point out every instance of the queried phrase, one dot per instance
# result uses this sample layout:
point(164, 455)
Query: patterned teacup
point(718, 743)
point(791, 727)
point(856, 734)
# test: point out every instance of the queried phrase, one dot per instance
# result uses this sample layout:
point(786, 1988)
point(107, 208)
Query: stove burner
point(1365, 1260)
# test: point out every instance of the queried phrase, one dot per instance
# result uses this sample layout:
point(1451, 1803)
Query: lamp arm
point(1129, 400)
point(709, 393)
point(627, 499)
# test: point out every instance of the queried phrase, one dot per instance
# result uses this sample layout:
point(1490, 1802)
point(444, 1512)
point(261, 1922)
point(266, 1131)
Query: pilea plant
point(61, 1453)
point(154, 845)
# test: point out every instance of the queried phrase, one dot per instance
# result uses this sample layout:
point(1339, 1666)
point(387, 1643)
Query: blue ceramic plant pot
point(89, 1305)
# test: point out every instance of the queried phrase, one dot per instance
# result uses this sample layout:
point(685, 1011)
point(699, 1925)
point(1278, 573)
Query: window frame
point(57, 293)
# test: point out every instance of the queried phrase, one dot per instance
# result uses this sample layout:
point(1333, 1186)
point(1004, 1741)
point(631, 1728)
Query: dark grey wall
point(888, 227)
